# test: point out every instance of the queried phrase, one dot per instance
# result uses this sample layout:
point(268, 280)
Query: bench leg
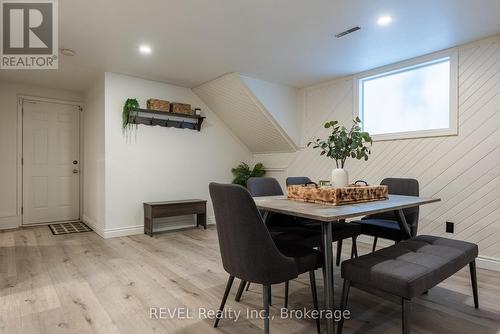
point(201, 219)
point(406, 309)
point(473, 278)
point(343, 304)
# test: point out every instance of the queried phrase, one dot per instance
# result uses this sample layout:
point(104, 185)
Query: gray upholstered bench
point(409, 269)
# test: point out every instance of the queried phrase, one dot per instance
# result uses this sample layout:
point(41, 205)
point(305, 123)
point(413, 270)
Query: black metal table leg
point(328, 265)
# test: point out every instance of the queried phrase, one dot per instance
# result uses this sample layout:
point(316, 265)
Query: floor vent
point(67, 228)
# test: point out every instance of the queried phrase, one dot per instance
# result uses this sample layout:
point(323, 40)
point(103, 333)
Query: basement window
point(412, 99)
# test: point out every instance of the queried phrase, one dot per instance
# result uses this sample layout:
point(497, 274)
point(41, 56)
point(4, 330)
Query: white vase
point(340, 178)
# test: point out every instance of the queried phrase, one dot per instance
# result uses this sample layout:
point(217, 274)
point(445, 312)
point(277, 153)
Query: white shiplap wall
point(463, 170)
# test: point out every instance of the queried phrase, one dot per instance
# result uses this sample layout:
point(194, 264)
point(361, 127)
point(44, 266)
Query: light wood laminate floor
point(81, 283)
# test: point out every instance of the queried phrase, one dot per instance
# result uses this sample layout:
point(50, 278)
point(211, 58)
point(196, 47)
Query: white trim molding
point(181, 223)
point(489, 263)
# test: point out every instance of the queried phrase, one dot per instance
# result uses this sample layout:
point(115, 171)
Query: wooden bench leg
point(406, 309)
point(473, 278)
point(201, 219)
point(343, 304)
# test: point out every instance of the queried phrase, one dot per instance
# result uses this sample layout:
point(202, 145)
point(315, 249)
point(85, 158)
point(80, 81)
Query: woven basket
point(158, 105)
point(338, 196)
point(181, 108)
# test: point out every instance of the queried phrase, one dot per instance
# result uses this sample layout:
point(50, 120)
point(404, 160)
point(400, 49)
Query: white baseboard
point(171, 225)
point(93, 225)
point(7, 223)
point(489, 263)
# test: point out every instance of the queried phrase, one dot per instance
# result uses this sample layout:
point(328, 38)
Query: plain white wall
point(9, 206)
point(94, 157)
point(156, 163)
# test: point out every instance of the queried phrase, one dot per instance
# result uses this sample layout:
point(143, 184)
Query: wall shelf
point(165, 119)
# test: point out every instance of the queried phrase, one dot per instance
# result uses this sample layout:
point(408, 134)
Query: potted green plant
point(342, 144)
point(242, 173)
point(129, 108)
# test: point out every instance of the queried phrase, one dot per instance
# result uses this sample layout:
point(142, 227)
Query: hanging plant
point(129, 109)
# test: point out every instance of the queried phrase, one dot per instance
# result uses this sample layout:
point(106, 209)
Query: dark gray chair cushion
point(411, 267)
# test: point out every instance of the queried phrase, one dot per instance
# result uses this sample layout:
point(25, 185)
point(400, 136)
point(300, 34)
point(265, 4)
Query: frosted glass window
point(409, 100)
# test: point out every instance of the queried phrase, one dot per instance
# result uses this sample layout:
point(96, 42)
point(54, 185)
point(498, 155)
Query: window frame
point(408, 65)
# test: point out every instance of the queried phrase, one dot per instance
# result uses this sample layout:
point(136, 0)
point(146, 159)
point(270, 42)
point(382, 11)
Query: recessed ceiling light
point(145, 49)
point(384, 20)
point(68, 52)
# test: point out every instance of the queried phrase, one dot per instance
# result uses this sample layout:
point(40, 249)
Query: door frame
point(21, 98)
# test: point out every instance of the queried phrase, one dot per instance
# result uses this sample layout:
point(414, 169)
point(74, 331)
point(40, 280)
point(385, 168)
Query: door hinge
point(80, 108)
point(22, 210)
point(22, 161)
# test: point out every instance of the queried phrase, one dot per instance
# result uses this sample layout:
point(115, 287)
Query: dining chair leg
point(224, 298)
point(343, 304)
point(406, 309)
point(287, 284)
point(473, 278)
point(270, 296)
point(354, 250)
point(266, 293)
point(248, 286)
point(314, 291)
point(240, 290)
point(339, 252)
point(374, 244)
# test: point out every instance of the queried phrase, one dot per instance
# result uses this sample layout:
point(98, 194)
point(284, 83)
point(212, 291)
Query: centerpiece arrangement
point(342, 144)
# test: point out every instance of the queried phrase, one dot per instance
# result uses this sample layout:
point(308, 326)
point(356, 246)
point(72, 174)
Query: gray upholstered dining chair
point(341, 230)
point(386, 225)
point(283, 228)
point(249, 253)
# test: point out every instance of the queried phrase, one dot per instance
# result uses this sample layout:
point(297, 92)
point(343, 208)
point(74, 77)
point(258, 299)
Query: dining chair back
point(247, 249)
point(407, 187)
point(297, 180)
point(264, 186)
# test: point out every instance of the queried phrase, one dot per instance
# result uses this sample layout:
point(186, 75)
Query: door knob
point(75, 162)
point(75, 171)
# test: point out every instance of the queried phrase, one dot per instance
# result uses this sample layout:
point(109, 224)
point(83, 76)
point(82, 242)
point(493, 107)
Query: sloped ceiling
point(245, 115)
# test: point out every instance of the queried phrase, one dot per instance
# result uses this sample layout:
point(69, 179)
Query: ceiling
point(284, 41)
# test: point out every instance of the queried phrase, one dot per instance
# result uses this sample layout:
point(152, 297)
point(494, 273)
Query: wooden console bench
point(154, 210)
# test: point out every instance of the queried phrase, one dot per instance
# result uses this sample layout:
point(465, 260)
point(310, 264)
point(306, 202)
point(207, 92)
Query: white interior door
point(51, 173)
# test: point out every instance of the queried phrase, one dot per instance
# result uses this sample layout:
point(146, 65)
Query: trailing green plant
point(129, 108)
point(343, 143)
point(242, 173)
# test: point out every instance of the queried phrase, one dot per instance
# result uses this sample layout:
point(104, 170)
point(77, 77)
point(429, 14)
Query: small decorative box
point(158, 105)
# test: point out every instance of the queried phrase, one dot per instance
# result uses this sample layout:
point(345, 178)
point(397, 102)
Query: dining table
point(328, 215)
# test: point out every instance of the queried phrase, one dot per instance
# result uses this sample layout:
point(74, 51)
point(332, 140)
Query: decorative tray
point(337, 196)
